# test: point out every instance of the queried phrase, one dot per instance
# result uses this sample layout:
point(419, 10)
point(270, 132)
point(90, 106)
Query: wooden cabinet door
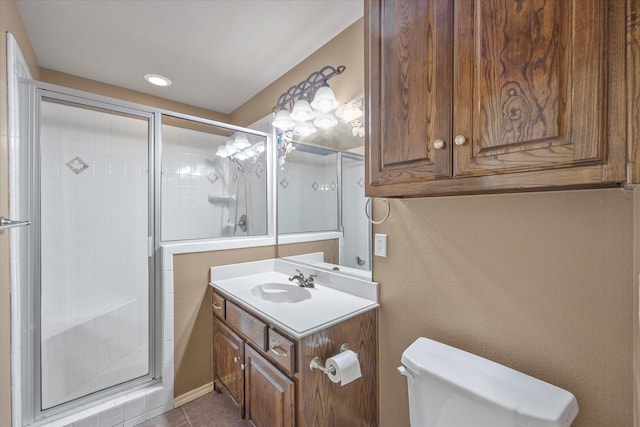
point(408, 79)
point(270, 398)
point(530, 88)
point(228, 355)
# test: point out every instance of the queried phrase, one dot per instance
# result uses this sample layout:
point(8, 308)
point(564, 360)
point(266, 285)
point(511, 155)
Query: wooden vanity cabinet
point(228, 360)
point(274, 385)
point(485, 96)
point(270, 395)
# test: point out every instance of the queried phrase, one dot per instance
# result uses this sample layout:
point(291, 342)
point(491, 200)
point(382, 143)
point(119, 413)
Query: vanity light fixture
point(309, 104)
point(325, 121)
point(304, 128)
point(157, 80)
point(239, 148)
point(349, 111)
point(325, 100)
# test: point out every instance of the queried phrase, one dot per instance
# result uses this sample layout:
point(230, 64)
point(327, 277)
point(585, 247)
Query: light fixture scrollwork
point(308, 105)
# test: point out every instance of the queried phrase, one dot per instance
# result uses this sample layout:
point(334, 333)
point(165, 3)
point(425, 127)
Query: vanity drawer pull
point(218, 305)
point(282, 351)
point(279, 351)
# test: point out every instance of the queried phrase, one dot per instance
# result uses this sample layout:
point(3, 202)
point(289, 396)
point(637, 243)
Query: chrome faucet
point(302, 282)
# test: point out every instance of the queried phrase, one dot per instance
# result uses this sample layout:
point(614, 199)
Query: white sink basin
point(280, 292)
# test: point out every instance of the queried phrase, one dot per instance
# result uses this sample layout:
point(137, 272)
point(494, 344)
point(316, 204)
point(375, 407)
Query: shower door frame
point(33, 396)
point(358, 157)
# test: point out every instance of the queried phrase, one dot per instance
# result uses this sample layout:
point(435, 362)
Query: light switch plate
point(380, 245)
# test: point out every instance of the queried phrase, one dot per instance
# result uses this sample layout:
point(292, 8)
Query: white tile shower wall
point(191, 173)
point(187, 179)
point(307, 193)
point(94, 177)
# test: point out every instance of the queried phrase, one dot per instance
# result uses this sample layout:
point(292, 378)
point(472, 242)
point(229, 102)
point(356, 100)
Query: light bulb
point(259, 147)
point(304, 128)
point(325, 100)
point(241, 141)
point(231, 147)
point(348, 112)
point(283, 120)
point(222, 152)
point(325, 121)
point(157, 79)
point(301, 111)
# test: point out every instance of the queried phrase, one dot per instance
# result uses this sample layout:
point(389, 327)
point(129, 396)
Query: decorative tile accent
point(284, 183)
point(212, 177)
point(259, 170)
point(361, 182)
point(315, 186)
point(333, 186)
point(77, 165)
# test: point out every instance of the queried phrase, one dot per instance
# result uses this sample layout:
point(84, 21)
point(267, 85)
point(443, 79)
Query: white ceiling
point(218, 53)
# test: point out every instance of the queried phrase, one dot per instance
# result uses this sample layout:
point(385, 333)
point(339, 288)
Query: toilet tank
point(449, 387)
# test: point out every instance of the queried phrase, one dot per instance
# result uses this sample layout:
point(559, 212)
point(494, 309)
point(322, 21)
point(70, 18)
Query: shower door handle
point(9, 223)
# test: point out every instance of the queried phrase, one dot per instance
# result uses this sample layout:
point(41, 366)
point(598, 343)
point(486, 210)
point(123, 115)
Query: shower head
point(238, 164)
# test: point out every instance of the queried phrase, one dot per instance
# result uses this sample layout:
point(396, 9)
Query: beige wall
point(192, 312)
point(331, 249)
point(540, 282)
point(347, 49)
point(10, 21)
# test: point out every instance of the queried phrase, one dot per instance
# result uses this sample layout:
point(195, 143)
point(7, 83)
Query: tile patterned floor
point(212, 410)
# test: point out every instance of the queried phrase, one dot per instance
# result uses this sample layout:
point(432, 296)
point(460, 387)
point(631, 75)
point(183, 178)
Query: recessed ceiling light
point(157, 79)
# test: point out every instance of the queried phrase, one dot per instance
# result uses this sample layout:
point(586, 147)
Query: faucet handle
point(300, 276)
point(311, 277)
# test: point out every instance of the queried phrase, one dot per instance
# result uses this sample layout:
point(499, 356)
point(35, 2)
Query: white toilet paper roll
point(346, 365)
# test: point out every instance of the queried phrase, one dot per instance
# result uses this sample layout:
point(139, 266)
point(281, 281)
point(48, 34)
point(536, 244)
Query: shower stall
point(93, 294)
point(104, 184)
point(214, 181)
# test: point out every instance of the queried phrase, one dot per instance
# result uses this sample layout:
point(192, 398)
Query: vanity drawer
point(282, 351)
point(252, 328)
point(218, 305)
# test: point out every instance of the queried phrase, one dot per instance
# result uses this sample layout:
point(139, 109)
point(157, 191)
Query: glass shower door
point(355, 224)
point(95, 257)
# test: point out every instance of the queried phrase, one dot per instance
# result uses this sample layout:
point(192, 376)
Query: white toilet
point(449, 387)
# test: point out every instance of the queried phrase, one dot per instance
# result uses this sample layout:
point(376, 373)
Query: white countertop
point(334, 298)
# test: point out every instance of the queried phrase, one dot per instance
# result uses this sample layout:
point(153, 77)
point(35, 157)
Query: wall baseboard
point(192, 395)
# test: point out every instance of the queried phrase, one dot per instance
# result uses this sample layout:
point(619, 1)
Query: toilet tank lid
point(528, 397)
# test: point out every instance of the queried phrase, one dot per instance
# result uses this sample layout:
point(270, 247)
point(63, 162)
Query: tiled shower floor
point(211, 410)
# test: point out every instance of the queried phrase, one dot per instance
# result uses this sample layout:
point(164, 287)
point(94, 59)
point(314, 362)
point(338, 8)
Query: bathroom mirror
point(320, 193)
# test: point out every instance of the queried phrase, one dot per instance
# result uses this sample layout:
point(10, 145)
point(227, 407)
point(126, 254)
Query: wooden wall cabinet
point(274, 386)
point(473, 96)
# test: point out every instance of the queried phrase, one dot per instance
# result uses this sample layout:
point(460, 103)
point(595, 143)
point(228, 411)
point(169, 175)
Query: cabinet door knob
point(235, 359)
point(438, 144)
point(460, 140)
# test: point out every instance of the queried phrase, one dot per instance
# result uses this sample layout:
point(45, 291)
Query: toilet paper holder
point(317, 365)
